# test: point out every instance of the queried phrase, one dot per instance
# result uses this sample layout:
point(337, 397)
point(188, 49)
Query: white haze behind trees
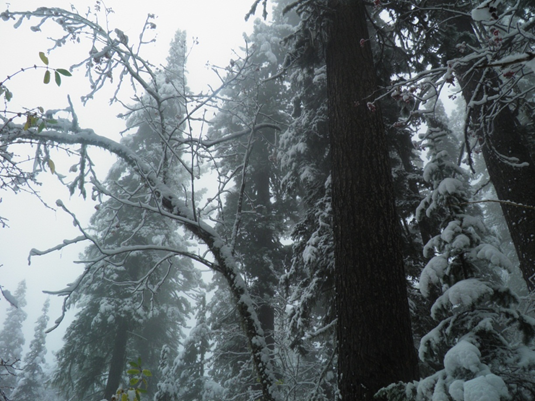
point(218, 28)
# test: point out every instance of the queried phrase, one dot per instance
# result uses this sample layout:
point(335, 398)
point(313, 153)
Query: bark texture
point(374, 331)
point(118, 359)
point(514, 185)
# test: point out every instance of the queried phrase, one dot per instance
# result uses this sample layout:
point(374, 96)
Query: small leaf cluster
point(58, 72)
point(138, 383)
point(37, 118)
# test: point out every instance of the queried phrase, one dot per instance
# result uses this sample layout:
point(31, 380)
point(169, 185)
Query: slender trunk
point(374, 331)
point(118, 358)
point(264, 242)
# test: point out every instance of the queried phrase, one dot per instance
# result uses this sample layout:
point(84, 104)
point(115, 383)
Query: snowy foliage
point(12, 341)
point(134, 290)
point(473, 358)
point(31, 382)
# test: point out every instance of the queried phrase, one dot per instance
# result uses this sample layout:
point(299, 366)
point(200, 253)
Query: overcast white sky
point(218, 25)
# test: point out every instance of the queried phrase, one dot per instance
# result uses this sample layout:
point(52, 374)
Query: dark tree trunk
point(118, 359)
point(264, 242)
point(374, 332)
point(515, 185)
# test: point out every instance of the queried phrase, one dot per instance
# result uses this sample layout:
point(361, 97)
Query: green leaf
point(51, 121)
point(124, 397)
point(134, 381)
point(46, 80)
point(147, 373)
point(141, 390)
point(51, 166)
point(41, 127)
point(133, 371)
point(8, 95)
point(43, 58)
point(58, 78)
point(133, 364)
point(28, 124)
point(64, 72)
point(41, 110)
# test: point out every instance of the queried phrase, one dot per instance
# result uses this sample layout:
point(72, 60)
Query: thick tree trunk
point(514, 185)
point(374, 332)
point(117, 365)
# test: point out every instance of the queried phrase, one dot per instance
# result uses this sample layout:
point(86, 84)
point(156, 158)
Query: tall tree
point(31, 383)
point(483, 49)
point(374, 331)
point(134, 303)
point(365, 221)
point(12, 339)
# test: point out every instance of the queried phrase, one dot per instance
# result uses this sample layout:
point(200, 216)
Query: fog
point(36, 223)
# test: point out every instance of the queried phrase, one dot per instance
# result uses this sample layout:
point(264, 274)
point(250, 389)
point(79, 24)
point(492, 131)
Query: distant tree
point(256, 214)
point(12, 340)
point(187, 377)
point(134, 303)
point(31, 382)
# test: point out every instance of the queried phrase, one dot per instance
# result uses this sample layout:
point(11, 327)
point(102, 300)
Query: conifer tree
point(12, 340)
point(256, 212)
point(31, 382)
point(132, 303)
point(187, 377)
point(472, 356)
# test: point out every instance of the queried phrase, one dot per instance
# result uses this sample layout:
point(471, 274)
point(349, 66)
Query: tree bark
point(513, 184)
point(374, 331)
point(117, 364)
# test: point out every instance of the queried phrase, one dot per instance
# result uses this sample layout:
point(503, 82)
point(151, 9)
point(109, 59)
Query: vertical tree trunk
point(263, 240)
point(374, 332)
point(514, 184)
point(117, 365)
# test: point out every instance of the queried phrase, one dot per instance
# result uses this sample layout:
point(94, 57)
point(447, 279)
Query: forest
point(369, 226)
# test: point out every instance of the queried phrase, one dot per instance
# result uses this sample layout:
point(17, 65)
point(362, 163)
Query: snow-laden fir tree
point(482, 346)
point(256, 213)
point(31, 381)
point(186, 378)
point(12, 340)
point(133, 295)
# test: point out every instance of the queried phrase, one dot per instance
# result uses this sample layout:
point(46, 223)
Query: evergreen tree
point(186, 378)
point(256, 213)
point(469, 47)
point(12, 340)
point(133, 302)
point(31, 382)
point(472, 356)
point(371, 295)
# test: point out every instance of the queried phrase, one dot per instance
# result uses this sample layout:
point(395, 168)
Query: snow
point(485, 388)
point(463, 356)
point(464, 293)
point(530, 64)
point(432, 274)
point(9, 297)
point(449, 186)
point(451, 231)
point(461, 241)
point(494, 256)
point(456, 390)
point(430, 170)
point(483, 11)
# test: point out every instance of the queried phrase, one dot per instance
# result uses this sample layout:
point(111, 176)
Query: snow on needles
point(465, 293)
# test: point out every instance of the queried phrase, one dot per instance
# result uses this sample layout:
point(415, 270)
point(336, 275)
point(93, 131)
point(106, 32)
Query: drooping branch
point(225, 262)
